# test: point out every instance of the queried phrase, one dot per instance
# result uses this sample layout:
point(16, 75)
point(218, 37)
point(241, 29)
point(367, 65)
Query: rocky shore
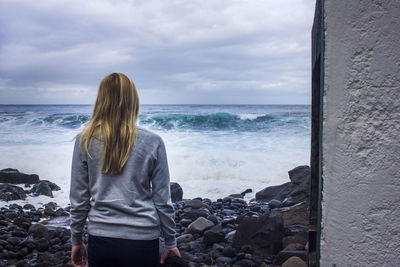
point(270, 230)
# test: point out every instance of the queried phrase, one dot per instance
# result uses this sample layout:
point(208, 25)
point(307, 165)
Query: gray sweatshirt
point(134, 204)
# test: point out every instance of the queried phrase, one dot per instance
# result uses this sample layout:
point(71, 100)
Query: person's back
point(120, 182)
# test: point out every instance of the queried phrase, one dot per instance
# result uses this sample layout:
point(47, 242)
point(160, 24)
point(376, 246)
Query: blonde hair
point(113, 121)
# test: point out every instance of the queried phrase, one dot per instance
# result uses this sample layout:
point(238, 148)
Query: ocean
point(213, 150)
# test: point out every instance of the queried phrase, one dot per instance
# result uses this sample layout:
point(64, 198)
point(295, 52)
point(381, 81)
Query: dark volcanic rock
point(278, 192)
point(42, 189)
point(213, 235)
point(296, 191)
point(263, 233)
point(11, 192)
point(299, 174)
point(176, 192)
point(13, 176)
point(297, 214)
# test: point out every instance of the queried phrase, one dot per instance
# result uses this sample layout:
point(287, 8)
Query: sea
point(213, 150)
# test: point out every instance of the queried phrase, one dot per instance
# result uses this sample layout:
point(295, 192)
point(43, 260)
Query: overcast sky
point(176, 52)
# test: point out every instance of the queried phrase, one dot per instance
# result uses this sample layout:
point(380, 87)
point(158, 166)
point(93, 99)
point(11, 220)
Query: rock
point(41, 189)
point(229, 236)
point(300, 174)
point(278, 192)
point(184, 238)
point(263, 233)
point(299, 239)
point(294, 262)
point(29, 207)
point(37, 230)
point(193, 214)
point(246, 263)
point(248, 190)
point(228, 252)
point(52, 186)
point(214, 235)
point(13, 176)
point(297, 214)
point(284, 255)
point(194, 203)
point(44, 188)
point(176, 192)
point(235, 196)
point(11, 192)
point(42, 245)
point(199, 226)
point(294, 246)
point(224, 260)
point(186, 222)
point(212, 218)
point(274, 204)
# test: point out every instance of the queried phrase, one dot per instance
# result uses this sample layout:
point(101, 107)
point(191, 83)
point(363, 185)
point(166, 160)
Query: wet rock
point(278, 192)
point(274, 204)
point(11, 192)
point(199, 225)
point(214, 235)
point(44, 188)
point(263, 233)
point(176, 192)
point(13, 176)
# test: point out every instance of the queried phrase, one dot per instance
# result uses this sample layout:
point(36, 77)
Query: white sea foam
point(209, 163)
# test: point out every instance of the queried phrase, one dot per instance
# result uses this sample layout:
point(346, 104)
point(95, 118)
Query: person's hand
point(79, 255)
point(169, 252)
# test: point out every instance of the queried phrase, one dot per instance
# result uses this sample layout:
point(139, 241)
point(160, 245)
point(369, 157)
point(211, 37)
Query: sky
point(175, 51)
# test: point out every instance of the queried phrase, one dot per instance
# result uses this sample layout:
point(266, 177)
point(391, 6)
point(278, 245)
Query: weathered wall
point(361, 134)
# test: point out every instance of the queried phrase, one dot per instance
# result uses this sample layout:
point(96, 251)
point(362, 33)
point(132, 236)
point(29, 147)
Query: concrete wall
point(361, 134)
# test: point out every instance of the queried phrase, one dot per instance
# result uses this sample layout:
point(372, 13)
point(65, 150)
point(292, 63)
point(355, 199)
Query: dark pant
point(118, 252)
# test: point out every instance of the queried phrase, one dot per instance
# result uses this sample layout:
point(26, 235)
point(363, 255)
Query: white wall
point(361, 134)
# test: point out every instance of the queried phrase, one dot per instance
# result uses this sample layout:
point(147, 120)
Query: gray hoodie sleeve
point(79, 194)
point(161, 196)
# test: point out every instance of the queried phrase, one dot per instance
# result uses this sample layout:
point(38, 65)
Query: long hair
point(113, 121)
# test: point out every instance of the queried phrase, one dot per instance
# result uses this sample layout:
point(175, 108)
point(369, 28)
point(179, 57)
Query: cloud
point(217, 49)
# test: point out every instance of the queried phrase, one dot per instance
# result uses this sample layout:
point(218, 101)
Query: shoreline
point(267, 231)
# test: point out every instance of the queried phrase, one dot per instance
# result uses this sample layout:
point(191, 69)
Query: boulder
point(300, 174)
point(284, 255)
point(11, 192)
point(13, 176)
point(277, 192)
point(214, 235)
point(294, 262)
point(291, 193)
point(42, 188)
point(176, 192)
point(199, 226)
point(297, 214)
point(264, 234)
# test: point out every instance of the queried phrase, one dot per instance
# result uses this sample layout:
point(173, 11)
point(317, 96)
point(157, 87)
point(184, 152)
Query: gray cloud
point(208, 51)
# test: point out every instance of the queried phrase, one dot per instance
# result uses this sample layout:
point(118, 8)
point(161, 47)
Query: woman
point(120, 183)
